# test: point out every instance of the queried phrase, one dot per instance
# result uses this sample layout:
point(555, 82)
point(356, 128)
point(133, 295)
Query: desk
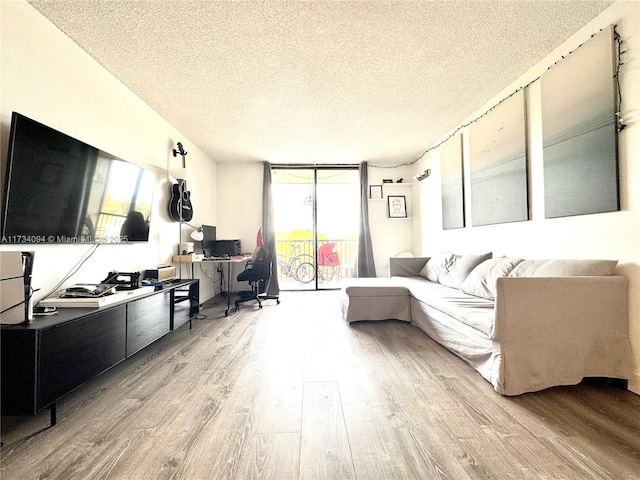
point(228, 261)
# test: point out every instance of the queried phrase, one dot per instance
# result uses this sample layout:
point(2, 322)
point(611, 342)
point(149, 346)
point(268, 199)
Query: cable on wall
point(85, 256)
point(619, 122)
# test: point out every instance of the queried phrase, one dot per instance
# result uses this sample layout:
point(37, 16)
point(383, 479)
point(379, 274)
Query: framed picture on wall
point(498, 164)
point(452, 183)
point(397, 206)
point(580, 155)
point(375, 192)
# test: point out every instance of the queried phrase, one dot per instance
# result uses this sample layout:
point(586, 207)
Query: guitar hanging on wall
point(180, 208)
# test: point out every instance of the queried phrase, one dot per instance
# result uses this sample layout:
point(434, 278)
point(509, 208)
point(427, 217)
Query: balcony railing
point(300, 264)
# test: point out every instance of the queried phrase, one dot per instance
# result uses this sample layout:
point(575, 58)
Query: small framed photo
point(375, 192)
point(397, 206)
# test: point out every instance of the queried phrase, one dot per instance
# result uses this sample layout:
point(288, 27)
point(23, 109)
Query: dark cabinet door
point(43, 361)
point(148, 319)
point(18, 372)
point(75, 352)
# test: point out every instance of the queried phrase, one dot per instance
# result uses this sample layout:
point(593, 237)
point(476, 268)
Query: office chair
point(258, 273)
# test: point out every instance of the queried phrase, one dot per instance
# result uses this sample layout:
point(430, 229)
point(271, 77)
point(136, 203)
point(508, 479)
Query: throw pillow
point(457, 272)
point(563, 268)
point(435, 265)
point(481, 282)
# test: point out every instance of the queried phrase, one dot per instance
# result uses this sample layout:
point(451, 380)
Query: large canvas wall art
point(452, 184)
point(579, 131)
point(498, 164)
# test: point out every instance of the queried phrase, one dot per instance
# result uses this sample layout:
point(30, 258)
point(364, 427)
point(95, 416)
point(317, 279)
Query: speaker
point(16, 302)
point(220, 248)
point(160, 274)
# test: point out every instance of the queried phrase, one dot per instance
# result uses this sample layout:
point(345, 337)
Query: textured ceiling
point(317, 81)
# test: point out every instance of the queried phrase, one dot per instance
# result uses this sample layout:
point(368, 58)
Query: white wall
point(47, 77)
point(390, 236)
point(608, 235)
point(240, 207)
point(240, 202)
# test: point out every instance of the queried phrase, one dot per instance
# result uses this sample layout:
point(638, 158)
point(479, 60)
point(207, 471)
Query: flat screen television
point(59, 190)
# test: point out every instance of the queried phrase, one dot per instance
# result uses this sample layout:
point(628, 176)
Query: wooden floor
point(292, 392)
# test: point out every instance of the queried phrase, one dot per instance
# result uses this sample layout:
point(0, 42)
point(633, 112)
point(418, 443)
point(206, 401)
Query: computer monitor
point(208, 240)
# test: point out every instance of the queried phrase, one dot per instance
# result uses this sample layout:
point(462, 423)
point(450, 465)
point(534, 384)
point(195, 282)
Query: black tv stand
point(46, 359)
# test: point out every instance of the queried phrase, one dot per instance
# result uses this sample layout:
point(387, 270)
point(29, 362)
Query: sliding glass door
point(294, 218)
point(316, 219)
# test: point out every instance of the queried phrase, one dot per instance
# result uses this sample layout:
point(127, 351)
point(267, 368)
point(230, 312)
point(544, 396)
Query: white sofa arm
point(558, 330)
point(406, 266)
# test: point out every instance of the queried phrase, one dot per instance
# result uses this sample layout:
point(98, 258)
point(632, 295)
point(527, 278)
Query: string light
point(619, 122)
point(619, 63)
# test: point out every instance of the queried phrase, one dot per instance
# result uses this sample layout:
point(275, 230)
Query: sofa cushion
point(375, 299)
point(457, 271)
point(563, 268)
point(435, 265)
point(481, 282)
point(478, 313)
point(375, 287)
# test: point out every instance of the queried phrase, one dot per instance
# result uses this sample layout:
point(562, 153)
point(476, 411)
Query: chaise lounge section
point(524, 325)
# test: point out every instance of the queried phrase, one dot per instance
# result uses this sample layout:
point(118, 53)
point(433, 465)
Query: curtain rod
point(298, 166)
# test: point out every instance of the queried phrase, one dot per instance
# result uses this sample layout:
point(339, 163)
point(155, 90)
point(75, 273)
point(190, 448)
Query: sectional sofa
point(524, 325)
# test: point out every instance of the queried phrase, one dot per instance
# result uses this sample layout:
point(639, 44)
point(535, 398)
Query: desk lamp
point(197, 234)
